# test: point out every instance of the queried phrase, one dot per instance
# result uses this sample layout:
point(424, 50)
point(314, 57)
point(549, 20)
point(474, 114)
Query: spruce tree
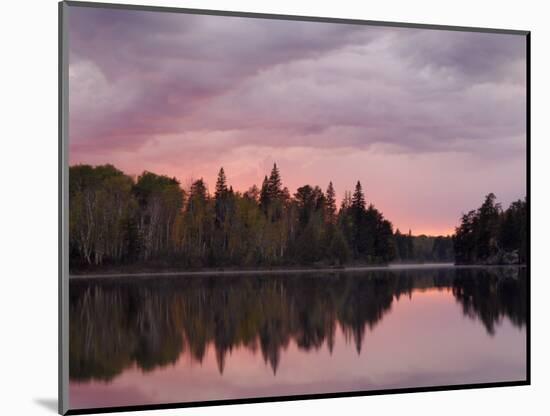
point(330, 203)
point(221, 185)
point(358, 199)
point(359, 243)
point(274, 183)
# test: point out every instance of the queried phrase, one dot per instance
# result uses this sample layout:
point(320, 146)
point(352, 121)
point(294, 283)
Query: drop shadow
point(49, 404)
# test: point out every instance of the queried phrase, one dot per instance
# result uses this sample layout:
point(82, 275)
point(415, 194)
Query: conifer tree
point(220, 197)
point(274, 183)
point(221, 185)
point(358, 199)
point(330, 203)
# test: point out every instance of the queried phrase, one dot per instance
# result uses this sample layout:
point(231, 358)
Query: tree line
point(491, 235)
point(423, 248)
point(116, 220)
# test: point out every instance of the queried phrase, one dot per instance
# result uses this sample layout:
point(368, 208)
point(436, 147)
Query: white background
point(28, 205)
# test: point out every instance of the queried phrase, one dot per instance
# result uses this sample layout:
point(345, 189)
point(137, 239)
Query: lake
point(148, 340)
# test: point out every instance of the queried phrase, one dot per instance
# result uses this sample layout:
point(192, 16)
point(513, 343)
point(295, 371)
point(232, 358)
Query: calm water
point(158, 340)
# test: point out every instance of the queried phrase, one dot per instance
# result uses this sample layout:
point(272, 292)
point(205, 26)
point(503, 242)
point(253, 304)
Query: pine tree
point(220, 197)
point(274, 183)
point(330, 203)
point(221, 185)
point(358, 199)
point(361, 241)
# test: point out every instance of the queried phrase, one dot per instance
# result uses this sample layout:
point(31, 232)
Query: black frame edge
point(164, 406)
point(528, 196)
point(60, 395)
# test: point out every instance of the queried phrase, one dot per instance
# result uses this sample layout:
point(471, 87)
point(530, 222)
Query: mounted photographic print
point(262, 207)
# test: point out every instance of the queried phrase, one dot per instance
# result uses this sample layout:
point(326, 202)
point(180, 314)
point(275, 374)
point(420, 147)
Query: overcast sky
point(429, 121)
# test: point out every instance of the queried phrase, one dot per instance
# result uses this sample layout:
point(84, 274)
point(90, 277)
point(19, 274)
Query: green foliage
point(491, 235)
point(512, 233)
point(160, 200)
point(115, 220)
point(101, 206)
point(338, 250)
point(442, 249)
point(358, 199)
point(423, 248)
point(404, 246)
point(368, 233)
point(152, 221)
point(330, 204)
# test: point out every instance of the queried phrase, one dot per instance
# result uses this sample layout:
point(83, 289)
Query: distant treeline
point(491, 235)
point(423, 248)
point(117, 221)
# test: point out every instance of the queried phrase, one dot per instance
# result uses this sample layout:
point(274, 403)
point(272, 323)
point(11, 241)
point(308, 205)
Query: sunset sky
point(429, 121)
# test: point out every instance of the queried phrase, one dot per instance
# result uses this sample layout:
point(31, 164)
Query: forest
point(491, 235)
point(117, 222)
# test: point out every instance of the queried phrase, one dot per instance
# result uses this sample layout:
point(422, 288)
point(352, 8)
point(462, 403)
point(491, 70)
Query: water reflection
point(116, 324)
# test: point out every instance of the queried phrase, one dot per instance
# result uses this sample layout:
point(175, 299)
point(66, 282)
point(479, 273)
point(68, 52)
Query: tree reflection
point(150, 322)
point(492, 294)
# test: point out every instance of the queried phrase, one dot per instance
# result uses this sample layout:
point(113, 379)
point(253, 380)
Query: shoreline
point(352, 269)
